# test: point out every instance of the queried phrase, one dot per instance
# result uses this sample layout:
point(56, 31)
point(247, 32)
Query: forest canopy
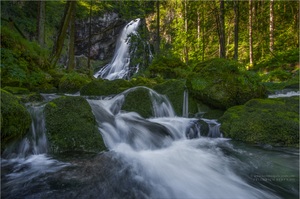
point(261, 35)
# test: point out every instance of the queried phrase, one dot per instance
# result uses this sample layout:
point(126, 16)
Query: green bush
point(22, 61)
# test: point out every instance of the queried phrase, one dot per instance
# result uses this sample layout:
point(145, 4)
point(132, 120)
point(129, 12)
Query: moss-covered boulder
point(102, 87)
point(15, 119)
point(71, 126)
point(174, 90)
point(72, 82)
point(266, 121)
point(223, 83)
point(138, 100)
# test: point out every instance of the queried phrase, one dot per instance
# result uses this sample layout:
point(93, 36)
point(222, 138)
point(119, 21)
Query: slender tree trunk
point(90, 36)
point(236, 29)
point(198, 28)
point(62, 33)
point(272, 25)
point(222, 47)
point(186, 52)
point(71, 62)
point(41, 22)
point(157, 27)
point(203, 33)
point(250, 34)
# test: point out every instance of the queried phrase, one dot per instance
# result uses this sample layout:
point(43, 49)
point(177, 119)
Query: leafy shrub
point(22, 61)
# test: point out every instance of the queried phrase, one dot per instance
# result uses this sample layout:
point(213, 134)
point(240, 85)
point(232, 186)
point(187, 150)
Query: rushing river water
point(164, 156)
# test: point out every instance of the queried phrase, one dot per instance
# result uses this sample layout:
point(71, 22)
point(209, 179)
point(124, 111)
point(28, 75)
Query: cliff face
point(104, 30)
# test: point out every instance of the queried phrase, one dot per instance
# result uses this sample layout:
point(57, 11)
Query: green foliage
point(264, 121)
point(15, 119)
point(285, 60)
point(21, 61)
point(71, 126)
point(73, 82)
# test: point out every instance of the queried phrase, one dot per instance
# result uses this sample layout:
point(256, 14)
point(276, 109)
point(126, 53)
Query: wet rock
point(15, 119)
point(264, 121)
point(71, 126)
point(222, 83)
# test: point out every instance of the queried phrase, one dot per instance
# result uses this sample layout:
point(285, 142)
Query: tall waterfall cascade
point(118, 68)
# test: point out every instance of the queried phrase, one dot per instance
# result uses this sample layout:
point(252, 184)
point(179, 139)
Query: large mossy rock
point(102, 87)
point(264, 121)
point(139, 101)
point(174, 90)
point(15, 119)
point(71, 126)
point(72, 82)
point(223, 83)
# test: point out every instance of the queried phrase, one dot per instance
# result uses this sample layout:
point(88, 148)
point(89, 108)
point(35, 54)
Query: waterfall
point(35, 142)
point(118, 68)
point(285, 93)
point(118, 127)
point(185, 106)
point(214, 128)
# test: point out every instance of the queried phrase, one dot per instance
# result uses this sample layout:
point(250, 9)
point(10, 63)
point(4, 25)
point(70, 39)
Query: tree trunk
point(41, 22)
point(272, 25)
point(71, 62)
point(90, 36)
point(62, 32)
point(250, 34)
point(236, 29)
point(186, 52)
point(222, 49)
point(157, 27)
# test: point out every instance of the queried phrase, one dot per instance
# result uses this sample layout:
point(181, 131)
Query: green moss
point(71, 126)
point(222, 84)
point(101, 87)
point(31, 97)
point(73, 82)
point(15, 119)
point(268, 121)
point(139, 101)
point(16, 90)
point(174, 90)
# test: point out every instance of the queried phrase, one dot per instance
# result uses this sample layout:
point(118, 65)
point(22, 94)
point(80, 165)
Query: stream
point(164, 156)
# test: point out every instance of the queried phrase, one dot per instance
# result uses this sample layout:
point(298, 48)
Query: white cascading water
point(118, 68)
point(163, 158)
point(284, 93)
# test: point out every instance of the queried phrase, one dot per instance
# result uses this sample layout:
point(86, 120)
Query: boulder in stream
point(71, 126)
point(15, 119)
point(264, 121)
point(223, 83)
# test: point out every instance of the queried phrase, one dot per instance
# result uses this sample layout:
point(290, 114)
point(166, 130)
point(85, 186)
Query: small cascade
point(118, 68)
point(285, 93)
point(35, 142)
point(119, 127)
point(185, 106)
point(214, 128)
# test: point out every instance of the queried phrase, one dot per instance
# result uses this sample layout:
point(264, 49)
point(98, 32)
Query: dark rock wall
point(105, 31)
